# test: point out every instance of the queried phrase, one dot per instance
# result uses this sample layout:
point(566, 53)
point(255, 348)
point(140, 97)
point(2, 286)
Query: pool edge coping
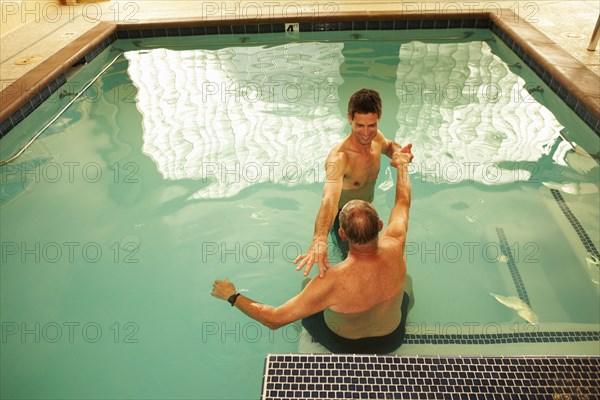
point(574, 77)
point(25, 88)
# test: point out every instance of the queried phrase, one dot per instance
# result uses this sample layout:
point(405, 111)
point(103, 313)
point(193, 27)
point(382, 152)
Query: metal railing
point(61, 112)
point(595, 36)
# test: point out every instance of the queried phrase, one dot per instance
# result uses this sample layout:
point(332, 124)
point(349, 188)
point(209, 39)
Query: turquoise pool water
point(188, 161)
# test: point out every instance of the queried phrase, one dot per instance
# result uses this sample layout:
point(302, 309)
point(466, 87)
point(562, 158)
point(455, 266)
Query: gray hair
point(360, 222)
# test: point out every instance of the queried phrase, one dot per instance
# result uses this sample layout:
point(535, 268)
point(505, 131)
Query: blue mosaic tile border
point(31, 105)
point(99, 48)
point(47, 91)
point(201, 31)
point(504, 338)
point(574, 104)
point(512, 266)
point(531, 336)
point(483, 23)
point(583, 236)
point(334, 376)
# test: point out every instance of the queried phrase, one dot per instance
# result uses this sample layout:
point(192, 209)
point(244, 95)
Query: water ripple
point(466, 112)
point(239, 116)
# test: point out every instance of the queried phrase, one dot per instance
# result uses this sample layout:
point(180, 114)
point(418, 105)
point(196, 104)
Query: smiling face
point(364, 127)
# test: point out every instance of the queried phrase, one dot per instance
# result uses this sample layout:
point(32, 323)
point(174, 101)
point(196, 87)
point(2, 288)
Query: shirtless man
point(351, 168)
point(360, 305)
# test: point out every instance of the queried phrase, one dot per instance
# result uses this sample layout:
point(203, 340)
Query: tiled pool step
point(341, 376)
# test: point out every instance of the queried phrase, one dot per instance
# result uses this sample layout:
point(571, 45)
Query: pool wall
point(576, 85)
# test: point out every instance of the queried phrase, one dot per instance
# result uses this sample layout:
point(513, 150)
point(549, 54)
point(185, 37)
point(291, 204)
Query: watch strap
point(233, 298)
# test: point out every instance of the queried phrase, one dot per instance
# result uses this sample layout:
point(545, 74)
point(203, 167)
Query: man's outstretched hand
point(316, 253)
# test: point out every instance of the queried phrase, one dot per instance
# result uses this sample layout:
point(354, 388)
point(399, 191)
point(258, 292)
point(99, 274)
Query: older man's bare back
point(371, 297)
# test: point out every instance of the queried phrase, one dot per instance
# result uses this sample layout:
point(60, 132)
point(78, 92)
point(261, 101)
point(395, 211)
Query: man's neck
point(358, 146)
point(364, 250)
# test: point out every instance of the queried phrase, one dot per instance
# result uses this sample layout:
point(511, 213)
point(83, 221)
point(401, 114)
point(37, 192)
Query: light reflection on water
point(467, 113)
point(239, 116)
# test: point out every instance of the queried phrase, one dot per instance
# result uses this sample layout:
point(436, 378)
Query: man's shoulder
point(338, 153)
point(390, 243)
point(380, 139)
point(330, 279)
point(338, 270)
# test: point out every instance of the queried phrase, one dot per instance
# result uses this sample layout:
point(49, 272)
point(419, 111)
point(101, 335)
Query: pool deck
point(50, 27)
point(54, 37)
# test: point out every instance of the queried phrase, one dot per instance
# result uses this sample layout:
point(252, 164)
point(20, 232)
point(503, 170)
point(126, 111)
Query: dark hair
point(365, 101)
point(360, 222)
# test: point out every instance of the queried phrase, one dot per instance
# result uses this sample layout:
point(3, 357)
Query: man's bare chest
point(362, 169)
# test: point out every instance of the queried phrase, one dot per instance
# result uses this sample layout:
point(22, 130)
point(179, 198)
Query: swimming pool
point(109, 293)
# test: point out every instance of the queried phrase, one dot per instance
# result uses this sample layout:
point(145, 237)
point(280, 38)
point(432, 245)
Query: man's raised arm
point(398, 223)
point(389, 147)
point(332, 190)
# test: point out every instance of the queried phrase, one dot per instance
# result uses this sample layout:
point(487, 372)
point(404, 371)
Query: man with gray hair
point(360, 305)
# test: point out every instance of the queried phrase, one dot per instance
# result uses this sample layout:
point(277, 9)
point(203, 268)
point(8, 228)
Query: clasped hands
point(404, 156)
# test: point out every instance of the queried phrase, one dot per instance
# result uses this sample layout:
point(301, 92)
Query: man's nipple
point(356, 183)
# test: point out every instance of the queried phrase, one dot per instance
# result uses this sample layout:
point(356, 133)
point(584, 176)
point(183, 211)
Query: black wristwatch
point(232, 299)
